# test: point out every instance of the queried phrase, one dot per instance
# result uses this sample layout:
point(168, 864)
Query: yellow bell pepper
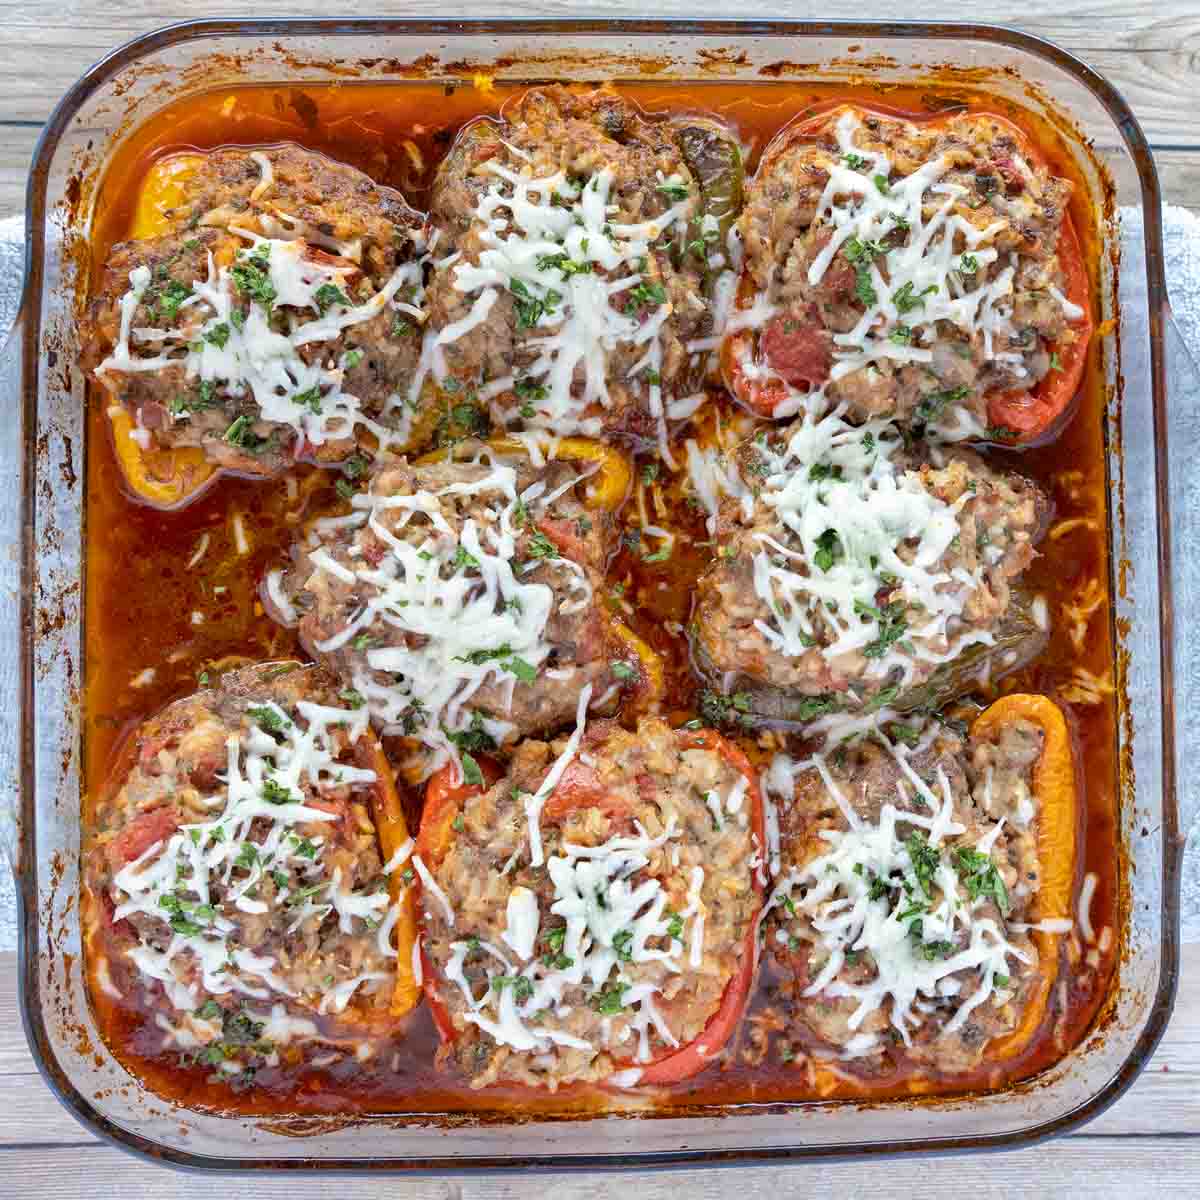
point(609, 486)
point(1055, 791)
point(164, 478)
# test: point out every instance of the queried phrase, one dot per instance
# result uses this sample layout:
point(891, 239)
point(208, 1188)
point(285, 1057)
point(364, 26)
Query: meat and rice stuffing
point(592, 915)
point(903, 928)
point(461, 602)
point(276, 316)
point(855, 570)
point(910, 269)
point(236, 867)
point(576, 246)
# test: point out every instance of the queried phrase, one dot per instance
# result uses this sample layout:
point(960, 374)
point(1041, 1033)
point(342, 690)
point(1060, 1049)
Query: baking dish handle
point(10, 590)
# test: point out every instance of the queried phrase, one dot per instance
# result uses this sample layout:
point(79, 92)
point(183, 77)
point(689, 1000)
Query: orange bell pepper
point(162, 478)
point(392, 831)
point(1055, 791)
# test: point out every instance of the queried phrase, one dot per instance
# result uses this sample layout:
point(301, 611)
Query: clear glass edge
point(1123, 120)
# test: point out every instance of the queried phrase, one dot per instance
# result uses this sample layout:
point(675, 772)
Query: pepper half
point(443, 803)
point(1054, 788)
point(162, 478)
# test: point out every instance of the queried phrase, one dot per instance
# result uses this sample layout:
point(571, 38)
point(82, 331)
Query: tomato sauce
point(171, 598)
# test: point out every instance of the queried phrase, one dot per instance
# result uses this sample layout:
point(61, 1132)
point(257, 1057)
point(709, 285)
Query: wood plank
point(1131, 1168)
point(1152, 62)
point(1165, 1100)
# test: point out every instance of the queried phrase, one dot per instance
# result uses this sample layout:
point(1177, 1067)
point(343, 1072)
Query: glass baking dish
point(139, 79)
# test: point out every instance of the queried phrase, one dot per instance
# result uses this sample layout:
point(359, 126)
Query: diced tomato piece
point(141, 833)
point(799, 349)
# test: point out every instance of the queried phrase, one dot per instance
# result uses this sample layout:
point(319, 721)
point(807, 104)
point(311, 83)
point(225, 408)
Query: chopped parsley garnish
point(531, 308)
point(540, 546)
point(882, 698)
point(900, 336)
point(905, 301)
point(930, 951)
point(355, 467)
point(566, 265)
point(980, 876)
point(218, 335)
point(622, 670)
point(253, 279)
point(473, 740)
point(327, 295)
point(363, 642)
point(622, 942)
point(674, 190)
point(351, 359)
point(864, 286)
point(829, 550)
point(645, 295)
point(674, 925)
point(464, 558)
point(1055, 362)
point(351, 698)
point(812, 707)
point(968, 264)
point(935, 403)
point(241, 434)
point(882, 186)
point(717, 709)
point(170, 299)
point(344, 489)
point(273, 792)
point(521, 985)
point(649, 473)
point(310, 398)
point(925, 861)
point(609, 1001)
point(472, 774)
point(819, 471)
point(892, 626)
point(855, 162)
point(529, 389)
point(210, 1010)
point(266, 718)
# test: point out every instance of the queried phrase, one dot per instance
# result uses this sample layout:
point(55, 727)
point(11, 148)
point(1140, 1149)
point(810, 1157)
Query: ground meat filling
point(855, 570)
point(277, 319)
point(907, 270)
point(236, 864)
point(900, 923)
point(613, 944)
point(461, 602)
point(574, 257)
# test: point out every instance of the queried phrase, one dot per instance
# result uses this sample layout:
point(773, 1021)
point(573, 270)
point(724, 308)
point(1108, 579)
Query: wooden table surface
point(1146, 1145)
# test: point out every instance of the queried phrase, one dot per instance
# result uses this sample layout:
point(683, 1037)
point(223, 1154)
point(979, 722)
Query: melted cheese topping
point(608, 922)
point(858, 523)
point(256, 355)
point(899, 898)
point(941, 271)
point(576, 275)
point(456, 607)
point(174, 881)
